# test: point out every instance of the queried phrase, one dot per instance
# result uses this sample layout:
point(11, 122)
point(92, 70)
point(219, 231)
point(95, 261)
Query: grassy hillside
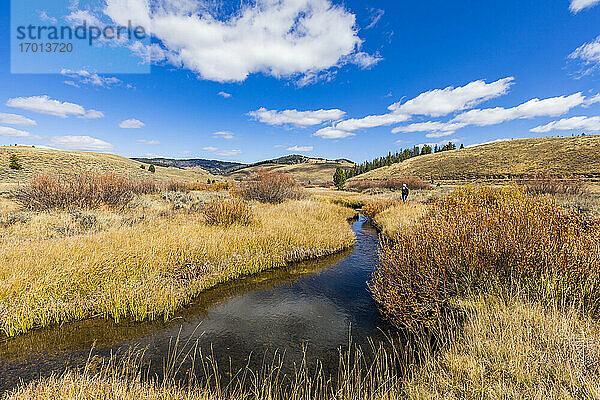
point(212, 166)
point(35, 161)
point(304, 169)
point(507, 159)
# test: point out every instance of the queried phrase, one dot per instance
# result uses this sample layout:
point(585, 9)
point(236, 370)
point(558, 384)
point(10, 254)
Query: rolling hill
point(212, 166)
point(304, 169)
point(579, 155)
point(36, 160)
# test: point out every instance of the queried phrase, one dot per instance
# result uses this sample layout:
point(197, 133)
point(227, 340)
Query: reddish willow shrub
point(270, 187)
point(413, 183)
point(227, 212)
point(85, 190)
point(547, 184)
point(488, 239)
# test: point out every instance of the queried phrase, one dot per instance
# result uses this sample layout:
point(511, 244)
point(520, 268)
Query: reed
point(147, 260)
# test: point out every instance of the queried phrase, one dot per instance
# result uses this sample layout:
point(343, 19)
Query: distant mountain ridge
point(213, 166)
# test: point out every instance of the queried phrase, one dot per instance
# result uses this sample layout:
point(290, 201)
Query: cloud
point(131, 124)
point(153, 155)
point(592, 100)
point(333, 133)
point(364, 60)
point(588, 54)
point(371, 121)
point(210, 148)
point(83, 77)
point(150, 142)
point(436, 129)
point(578, 5)
point(15, 119)
point(300, 148)
point(223, 134)
point(295, 117)
point(46, 105)
point(85, 143)
point(229, 153)
point(46, 18)
point(438, 102)
point(6, 131)
point(376, 15)
point(567, 124)
point(93, 114)
point(551, 107)
point(225, 95)
point(284, 38)
point(279, 146)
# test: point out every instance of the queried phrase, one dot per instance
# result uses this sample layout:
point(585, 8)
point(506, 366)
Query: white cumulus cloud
point(333, 133)
point(7, 131)
point(280, 38)
point(225, 95)
point(578, 5)
point(567, 124)
point(85, 143)
point(438, 102)
point(46, 105)
point(210, 148)
point(15, 119)
point(295, 117)
point(436, 129)
point(551, 107)
point(131, 123)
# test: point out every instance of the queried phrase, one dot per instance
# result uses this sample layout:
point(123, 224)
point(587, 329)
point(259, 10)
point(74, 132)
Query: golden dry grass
point(316, 171)
point(513, 349)
point(501, 160)
point(148, 259)
point(36, 161)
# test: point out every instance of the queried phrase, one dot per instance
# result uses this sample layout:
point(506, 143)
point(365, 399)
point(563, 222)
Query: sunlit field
point(148, 257)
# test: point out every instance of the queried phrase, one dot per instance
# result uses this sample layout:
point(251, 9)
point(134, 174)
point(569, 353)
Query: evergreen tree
point(151, 168)
point(339, 178)
point(14, 162)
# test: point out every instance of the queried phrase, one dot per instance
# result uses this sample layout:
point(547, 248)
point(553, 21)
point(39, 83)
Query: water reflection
point(308, 306)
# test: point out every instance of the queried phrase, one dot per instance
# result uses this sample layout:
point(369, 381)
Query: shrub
point(374, 207)
point(270, 187)
point(14, 162)
point(548, 184)
point(227, 212)
point(413, 183)
point(84, 190)
point(143, 166)
point(151, 168)
point(480, 239)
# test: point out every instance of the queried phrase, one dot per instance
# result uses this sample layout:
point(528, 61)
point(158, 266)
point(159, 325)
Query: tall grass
point(270, 187)
point(227, 212)
point(487, 239)
point(150, 267)
point(372, 373)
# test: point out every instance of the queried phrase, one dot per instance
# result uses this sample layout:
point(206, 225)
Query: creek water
point(310, 309)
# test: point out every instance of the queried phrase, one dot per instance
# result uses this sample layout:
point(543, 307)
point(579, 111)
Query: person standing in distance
point(404, 192)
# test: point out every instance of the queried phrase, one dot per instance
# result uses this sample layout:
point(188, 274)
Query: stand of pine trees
point(397, 157)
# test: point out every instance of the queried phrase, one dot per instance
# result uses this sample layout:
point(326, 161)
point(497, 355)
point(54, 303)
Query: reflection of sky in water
point(280, 310)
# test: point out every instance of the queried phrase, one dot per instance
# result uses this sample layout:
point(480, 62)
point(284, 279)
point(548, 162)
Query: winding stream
point(313, 305)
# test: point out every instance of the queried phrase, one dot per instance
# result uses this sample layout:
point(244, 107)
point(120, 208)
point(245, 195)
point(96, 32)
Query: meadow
point(146, 255)
point(494, 290)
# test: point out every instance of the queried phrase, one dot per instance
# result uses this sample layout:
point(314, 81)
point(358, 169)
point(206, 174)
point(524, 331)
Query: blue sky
point(324, 78)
